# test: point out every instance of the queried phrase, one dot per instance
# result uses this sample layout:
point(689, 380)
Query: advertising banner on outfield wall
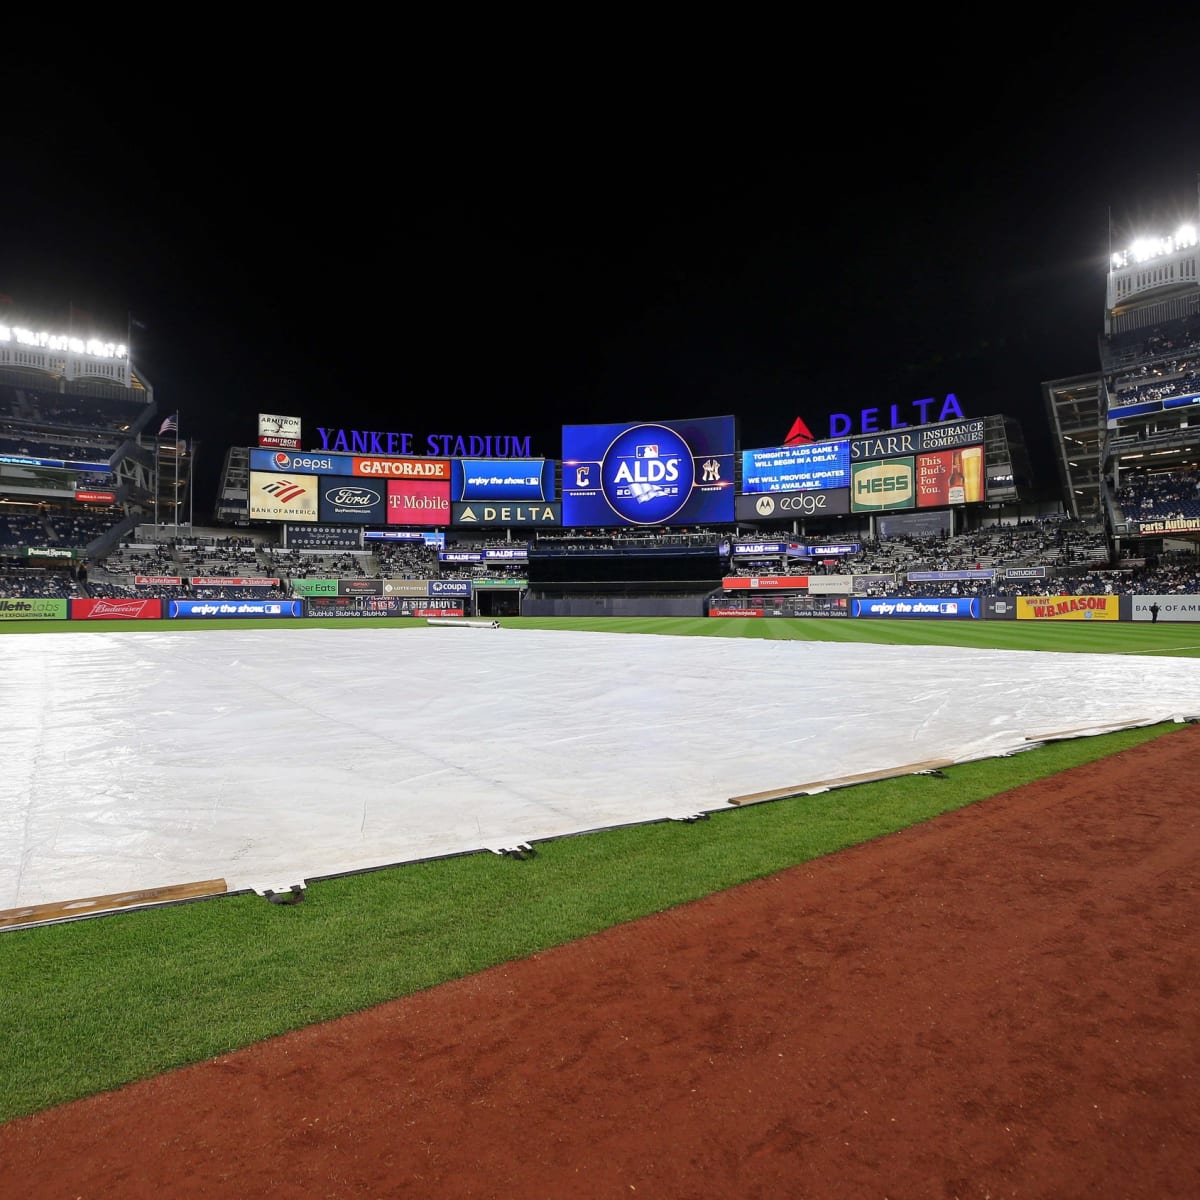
point(406, 587)
point(830, 585)
point(772, 506)
point(1170, 608)
point(314, 587)
point(360, 587)
point(894, 606)
point(1068, 608)
point(349, 606)
point(40, 609)
point(120, 608)
point(381, 606)
point(219, 609)
point(735, 612)
point(449, 587)
point(999, 608)
point(764, 583)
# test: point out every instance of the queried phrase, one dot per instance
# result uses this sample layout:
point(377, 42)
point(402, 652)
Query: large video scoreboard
point(650, 473)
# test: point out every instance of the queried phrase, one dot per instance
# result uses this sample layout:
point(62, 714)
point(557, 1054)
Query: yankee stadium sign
point(444, 445)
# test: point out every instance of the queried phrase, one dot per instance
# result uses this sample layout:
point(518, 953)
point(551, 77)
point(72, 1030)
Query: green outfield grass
point(92, 1004)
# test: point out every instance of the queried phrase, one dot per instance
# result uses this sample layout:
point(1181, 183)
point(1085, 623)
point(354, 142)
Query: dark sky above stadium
point(550, 226)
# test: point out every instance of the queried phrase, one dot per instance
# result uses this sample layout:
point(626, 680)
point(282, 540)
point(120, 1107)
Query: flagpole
point(157, 489)
point(176, 493)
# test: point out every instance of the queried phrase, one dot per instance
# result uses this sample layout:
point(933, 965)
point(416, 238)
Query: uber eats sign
point(881, 486)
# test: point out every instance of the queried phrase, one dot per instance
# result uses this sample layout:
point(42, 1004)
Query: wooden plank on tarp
point(824, 785)
point(34, 914)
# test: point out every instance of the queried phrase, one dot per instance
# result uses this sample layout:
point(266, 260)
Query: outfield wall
point(1174, 609)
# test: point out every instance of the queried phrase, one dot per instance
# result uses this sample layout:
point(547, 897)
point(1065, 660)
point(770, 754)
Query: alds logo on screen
point(647, 474)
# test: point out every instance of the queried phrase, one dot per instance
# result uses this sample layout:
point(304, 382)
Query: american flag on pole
point(170, 425)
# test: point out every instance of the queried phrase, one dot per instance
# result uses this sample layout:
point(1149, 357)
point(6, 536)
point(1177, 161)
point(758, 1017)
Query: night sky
point(453, 238)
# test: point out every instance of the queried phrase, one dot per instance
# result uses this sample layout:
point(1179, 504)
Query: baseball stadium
point(663, 816)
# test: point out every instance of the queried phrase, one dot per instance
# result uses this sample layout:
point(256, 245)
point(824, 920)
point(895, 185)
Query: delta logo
point(799, 434)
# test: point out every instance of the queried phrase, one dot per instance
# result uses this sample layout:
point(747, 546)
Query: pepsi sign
point(301, 461)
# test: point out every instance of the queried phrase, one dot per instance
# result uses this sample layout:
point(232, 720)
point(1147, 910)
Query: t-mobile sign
point(418, 502)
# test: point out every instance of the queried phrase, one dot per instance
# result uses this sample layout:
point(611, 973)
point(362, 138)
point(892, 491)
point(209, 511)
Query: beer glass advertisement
point(950, 477)
point(664, 473)
point(418, 502)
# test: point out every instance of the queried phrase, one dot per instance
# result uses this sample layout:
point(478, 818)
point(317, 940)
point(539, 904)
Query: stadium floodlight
point(68, 343)
point(1145, 248)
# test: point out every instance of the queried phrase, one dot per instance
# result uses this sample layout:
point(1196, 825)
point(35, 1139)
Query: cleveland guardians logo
point(647, 474)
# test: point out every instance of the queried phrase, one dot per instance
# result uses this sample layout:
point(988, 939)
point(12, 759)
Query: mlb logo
point(646, 451)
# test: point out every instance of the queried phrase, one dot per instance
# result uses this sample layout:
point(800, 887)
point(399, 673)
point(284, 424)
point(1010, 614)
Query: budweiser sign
point(118, 609)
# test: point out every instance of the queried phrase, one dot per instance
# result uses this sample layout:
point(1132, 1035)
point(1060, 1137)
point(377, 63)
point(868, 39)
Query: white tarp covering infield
point(270, 757)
